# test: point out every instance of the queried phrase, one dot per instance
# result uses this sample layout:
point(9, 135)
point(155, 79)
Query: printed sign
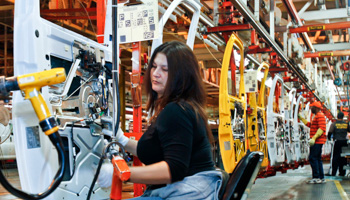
point(251, 81)
point(138, 22)
point(33, 137)
point(316, 28)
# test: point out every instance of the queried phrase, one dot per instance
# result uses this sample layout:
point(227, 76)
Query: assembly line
point(138, 111)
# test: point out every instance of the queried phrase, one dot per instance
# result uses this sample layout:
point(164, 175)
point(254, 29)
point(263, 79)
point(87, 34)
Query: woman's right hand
point(120, 137)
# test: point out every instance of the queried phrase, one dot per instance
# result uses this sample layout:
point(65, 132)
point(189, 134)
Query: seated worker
point(318, 138)
point(339, 130)
point(176, 147)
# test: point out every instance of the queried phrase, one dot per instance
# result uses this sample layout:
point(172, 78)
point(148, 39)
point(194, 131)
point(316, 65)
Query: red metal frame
point(321, 27)
point(289, 79)
point(68, 17)
point(254, 49)
point(137, 114)
point(278, 69)
point(68, 10)
point(326, 54)
point(230, 28)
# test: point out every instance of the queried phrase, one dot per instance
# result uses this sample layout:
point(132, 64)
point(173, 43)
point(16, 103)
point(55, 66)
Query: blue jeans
point(316, 162)
point(202, 186)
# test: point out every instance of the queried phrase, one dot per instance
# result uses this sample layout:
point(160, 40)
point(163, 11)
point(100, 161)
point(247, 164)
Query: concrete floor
point(291, 185)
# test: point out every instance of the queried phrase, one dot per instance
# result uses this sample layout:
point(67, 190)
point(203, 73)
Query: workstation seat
point(239, 182)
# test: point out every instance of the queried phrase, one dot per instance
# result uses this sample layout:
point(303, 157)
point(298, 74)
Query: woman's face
point(159, 74)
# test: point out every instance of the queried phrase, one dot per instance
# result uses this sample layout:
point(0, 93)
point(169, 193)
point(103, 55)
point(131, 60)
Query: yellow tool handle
point(40, 79)
point(31, 85)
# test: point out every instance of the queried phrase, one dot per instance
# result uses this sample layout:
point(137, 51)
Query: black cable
point(115, 49)
point(95, 177)
point(116, 127)
point(103, 156)
point(57, 142)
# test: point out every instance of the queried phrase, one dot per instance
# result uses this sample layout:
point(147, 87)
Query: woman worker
point(176, 148)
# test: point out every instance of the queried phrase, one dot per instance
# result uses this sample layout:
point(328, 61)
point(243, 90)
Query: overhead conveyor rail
point(249, 16)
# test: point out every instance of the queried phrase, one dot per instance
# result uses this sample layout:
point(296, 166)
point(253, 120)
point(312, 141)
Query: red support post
point(101, 18)
point(137, 106)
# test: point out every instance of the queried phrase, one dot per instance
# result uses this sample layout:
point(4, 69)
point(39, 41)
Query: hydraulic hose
point(57, 142)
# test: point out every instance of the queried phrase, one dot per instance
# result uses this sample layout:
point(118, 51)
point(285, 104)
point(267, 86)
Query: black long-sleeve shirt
point(179, 138)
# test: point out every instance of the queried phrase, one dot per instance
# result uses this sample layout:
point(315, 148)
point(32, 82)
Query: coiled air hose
point(57, 142)
point(30, 85)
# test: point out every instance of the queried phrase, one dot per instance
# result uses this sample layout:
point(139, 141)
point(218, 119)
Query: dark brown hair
point(184, 81)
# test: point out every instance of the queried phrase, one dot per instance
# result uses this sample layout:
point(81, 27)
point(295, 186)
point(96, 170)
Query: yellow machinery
point(30, 85)
point(232, 111)
point(256, 127)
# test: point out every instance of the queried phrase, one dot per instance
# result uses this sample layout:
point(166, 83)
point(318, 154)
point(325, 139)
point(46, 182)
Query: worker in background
point(318, 138)
point(339, 130)
point(176, 148)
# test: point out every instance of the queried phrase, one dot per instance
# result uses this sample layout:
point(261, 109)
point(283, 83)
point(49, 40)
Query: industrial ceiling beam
point(249, 16)
point(229, 28)
point(295, 17)
point(320, 27)
point(326, 54)
point(325, 14)
point(332, 47)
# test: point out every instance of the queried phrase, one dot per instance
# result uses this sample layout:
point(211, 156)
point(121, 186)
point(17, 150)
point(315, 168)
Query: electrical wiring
point(210, 51)
point(93, 29)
